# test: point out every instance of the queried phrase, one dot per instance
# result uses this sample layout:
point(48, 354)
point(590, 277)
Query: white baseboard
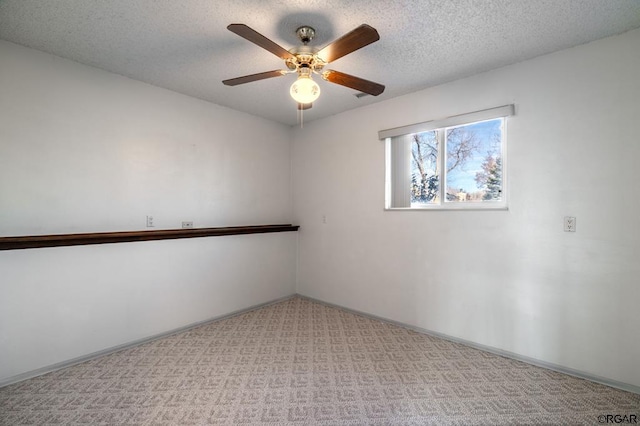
point(538, 363)
point(64, 364)
point(551, 366)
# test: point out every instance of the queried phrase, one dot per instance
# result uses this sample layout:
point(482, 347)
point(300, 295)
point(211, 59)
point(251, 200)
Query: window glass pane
point(425, 183)
point(474, 162)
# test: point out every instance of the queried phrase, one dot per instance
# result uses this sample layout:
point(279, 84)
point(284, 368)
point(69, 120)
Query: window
point(455, 163)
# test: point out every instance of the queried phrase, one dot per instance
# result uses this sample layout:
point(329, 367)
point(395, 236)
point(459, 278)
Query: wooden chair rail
point(58, 240)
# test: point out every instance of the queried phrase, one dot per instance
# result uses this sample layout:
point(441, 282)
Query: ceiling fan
point(306, 60)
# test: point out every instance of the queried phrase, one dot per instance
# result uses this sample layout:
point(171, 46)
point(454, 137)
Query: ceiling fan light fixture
point(304, 90)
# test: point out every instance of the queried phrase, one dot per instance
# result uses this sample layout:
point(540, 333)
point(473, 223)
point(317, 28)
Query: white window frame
point(440, 126)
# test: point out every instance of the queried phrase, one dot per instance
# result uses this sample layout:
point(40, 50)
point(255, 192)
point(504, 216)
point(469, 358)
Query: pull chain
point(301, 115)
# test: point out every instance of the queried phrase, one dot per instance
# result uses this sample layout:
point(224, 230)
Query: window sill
point(449, 208)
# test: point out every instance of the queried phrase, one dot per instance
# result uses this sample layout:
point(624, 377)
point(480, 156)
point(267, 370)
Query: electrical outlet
point(569, 224)
point(187, 225)
point(324, 219)
point(149, 221)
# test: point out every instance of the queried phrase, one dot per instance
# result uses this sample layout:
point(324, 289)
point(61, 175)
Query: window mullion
point(442, 155)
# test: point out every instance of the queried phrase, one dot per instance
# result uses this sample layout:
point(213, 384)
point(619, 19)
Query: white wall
point(82, 150)
point(510, 280)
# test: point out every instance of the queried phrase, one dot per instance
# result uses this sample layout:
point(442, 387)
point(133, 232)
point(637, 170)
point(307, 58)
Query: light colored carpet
point(301, 362)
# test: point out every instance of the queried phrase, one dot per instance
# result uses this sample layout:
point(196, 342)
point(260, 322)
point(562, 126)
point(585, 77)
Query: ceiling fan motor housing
point(305, 57)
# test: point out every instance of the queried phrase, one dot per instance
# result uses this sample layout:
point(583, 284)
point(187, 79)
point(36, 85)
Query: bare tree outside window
point(473, 164)
point(425, 182)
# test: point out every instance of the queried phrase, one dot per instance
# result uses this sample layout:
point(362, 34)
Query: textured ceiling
point(184, 45)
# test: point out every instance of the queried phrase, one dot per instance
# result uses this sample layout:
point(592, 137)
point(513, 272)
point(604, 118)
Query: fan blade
point(350, 42)
point(253, 36)
point(253, 77)
point(356, 83)
point(305, 106)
